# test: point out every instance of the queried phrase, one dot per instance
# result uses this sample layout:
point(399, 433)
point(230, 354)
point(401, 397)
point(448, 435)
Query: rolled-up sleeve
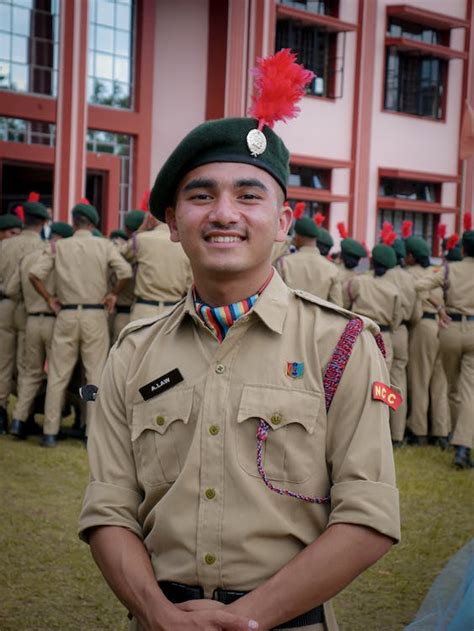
point(112, 496)
point(359, 448)
point(118, 264)
point(44, 265)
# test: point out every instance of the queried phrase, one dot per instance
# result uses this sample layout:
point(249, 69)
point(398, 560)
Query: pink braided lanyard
point(332, 377)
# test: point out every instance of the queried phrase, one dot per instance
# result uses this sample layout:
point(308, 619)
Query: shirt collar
point(82, 233)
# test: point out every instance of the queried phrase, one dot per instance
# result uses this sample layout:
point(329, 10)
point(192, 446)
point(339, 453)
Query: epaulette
point(350, 315)
point(143, 323)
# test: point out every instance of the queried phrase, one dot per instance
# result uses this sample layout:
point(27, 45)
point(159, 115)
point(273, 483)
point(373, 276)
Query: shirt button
point(276, 419)
point(160, 420)
point(210, 494)
point(210, 559)
point(220, 369)
point(214, 430)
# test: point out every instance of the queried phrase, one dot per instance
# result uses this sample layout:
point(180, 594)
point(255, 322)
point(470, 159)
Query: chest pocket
point(161, 435)
point(290, 451)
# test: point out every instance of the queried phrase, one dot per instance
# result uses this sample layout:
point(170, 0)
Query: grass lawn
point(49, 581)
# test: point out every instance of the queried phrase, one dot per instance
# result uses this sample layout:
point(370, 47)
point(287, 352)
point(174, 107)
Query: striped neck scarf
point(220, 319)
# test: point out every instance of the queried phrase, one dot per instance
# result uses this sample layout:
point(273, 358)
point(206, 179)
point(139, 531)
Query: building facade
point(94, 94)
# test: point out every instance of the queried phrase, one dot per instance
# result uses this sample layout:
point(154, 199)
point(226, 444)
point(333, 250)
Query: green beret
point(9, 221)
point(62, 228)
point(468, 239)
point(454, 254)
point(417, 246)
point(223, 140)
point(324, 237)
point(384, 255)
point(134, 219)
point(118, 234)
point(36, 209)
point(87, 211)
point(399, 247)
point(353, 248)
point(306, 227)
point(96, 232)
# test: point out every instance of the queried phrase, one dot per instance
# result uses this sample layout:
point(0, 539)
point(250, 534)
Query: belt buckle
point(79, 307)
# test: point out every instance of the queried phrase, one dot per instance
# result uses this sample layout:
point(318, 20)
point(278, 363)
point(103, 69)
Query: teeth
point(225, 239)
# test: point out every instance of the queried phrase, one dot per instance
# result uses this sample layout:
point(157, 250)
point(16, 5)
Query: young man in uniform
point(205, 411)
point(10, 226)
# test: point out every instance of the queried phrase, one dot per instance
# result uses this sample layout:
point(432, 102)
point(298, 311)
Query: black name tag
point(161, 384)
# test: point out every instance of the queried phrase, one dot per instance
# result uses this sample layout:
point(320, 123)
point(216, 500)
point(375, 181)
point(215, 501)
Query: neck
point(219, 291)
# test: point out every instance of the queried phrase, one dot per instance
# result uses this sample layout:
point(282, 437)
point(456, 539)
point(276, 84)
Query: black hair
point(323, 248)
point(468, 248)
point(424, 261)
point(349, 260)
point(379, 269)
point(33, 222)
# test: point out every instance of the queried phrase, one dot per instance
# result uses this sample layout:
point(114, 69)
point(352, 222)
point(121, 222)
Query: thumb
point(231, 622)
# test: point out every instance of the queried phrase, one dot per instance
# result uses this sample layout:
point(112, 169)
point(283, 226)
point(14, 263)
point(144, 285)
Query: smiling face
point(227, 217)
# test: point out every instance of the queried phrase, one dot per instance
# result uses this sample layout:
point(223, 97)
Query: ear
point(170, 217)
point(284, 222)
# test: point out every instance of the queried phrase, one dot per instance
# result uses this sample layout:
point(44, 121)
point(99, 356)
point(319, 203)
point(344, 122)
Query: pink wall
point(179, 96)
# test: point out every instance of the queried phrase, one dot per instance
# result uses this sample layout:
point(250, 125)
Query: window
point(323, 7)
point(120, 145)
point(29, 46)
point(424, 224)
point(413, 190)
point(311, 208)
point(417, 32)
point(25, 131)
point(309, 178)
point(316, 50)
point(111, 52)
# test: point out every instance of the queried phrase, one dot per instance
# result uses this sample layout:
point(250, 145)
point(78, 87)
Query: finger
point(231, 622)
point(200, 605)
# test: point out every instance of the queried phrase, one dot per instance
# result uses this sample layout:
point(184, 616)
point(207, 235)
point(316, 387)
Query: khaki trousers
point(38, 337)
point(77, 333)
point(457, 351)
point(12, 346)
point(398, 378)
point(427, 382)
point(146, 311)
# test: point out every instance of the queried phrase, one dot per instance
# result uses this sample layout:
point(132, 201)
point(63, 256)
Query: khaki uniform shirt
point(81, 264)
point(308, 270)
point(21, 287)
point(409, 305)
point(163, 271)
point(280, 248)
point(345, 276)
point(179, 469)
point(428, 282)
point(12, 252)
point(376, 297)
point(460, 293)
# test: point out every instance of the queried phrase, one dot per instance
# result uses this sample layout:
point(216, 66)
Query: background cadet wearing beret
point(426, 377)
point(12, 312)
point(39, 331)
point(457, 350)
point(10, 226)
point(80, 267)
point(307, 269)
point(186, 398)
point(351, 253)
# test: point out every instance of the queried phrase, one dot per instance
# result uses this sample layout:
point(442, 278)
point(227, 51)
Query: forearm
point(315, 575)
point(119, 286)
point(40, 287)
point(123, 560)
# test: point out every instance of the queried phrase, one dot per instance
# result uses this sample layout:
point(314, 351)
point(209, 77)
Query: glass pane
point(24, 3)
point(5, 43)
point(21, 21)
point(19, 78)
point(20, 49)
point(103, 91)
point(104, 66)
point(123, 17)
point(122, 43)
point(105, 39)
point(90, 62)
point(122, 69)
point(5, 17)
point(105, 13)
point(4, 74)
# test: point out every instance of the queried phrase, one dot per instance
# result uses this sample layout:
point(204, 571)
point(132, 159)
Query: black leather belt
point(70, 307)
point(178, 593)
point(154, 303)
point(47, 314)
point(406, 322)
point(384, 327)
point(428, 316)
point(458, 317)
point(122, 308)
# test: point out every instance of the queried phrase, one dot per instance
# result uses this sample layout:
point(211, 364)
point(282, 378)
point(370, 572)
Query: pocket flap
point(159, 413)
point(280, 406)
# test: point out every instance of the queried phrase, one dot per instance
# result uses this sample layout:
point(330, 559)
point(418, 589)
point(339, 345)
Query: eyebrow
point(210, 183)
point(199, 182)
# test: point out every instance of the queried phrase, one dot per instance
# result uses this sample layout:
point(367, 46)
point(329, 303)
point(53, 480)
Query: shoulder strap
point(340, 357)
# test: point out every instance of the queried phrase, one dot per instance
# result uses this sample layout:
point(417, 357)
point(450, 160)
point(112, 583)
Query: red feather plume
point(452, 241)
point(467, 221)
point(387, 228)
point(20, 213)
point(441, 231)
point(390, 238)
point(279, 84)
point(84, 200)
point(342, 230)
point(33, 197)
point(299, 210)
point(407, 228)
point(144, 202)
point(319, 219)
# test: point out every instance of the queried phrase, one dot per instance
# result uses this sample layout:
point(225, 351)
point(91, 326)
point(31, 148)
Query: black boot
point(440, 441)
point(49, 440)
point(18, 429)
point(3, 421)
point(462, 458)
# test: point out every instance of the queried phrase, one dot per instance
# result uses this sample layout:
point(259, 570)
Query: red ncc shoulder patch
point(381, 392)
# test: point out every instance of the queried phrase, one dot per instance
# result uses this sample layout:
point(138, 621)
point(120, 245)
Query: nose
point(224, 211)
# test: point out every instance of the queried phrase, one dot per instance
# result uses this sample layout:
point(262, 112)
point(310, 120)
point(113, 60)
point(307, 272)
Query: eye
point(200, 196)
point(249, 196)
